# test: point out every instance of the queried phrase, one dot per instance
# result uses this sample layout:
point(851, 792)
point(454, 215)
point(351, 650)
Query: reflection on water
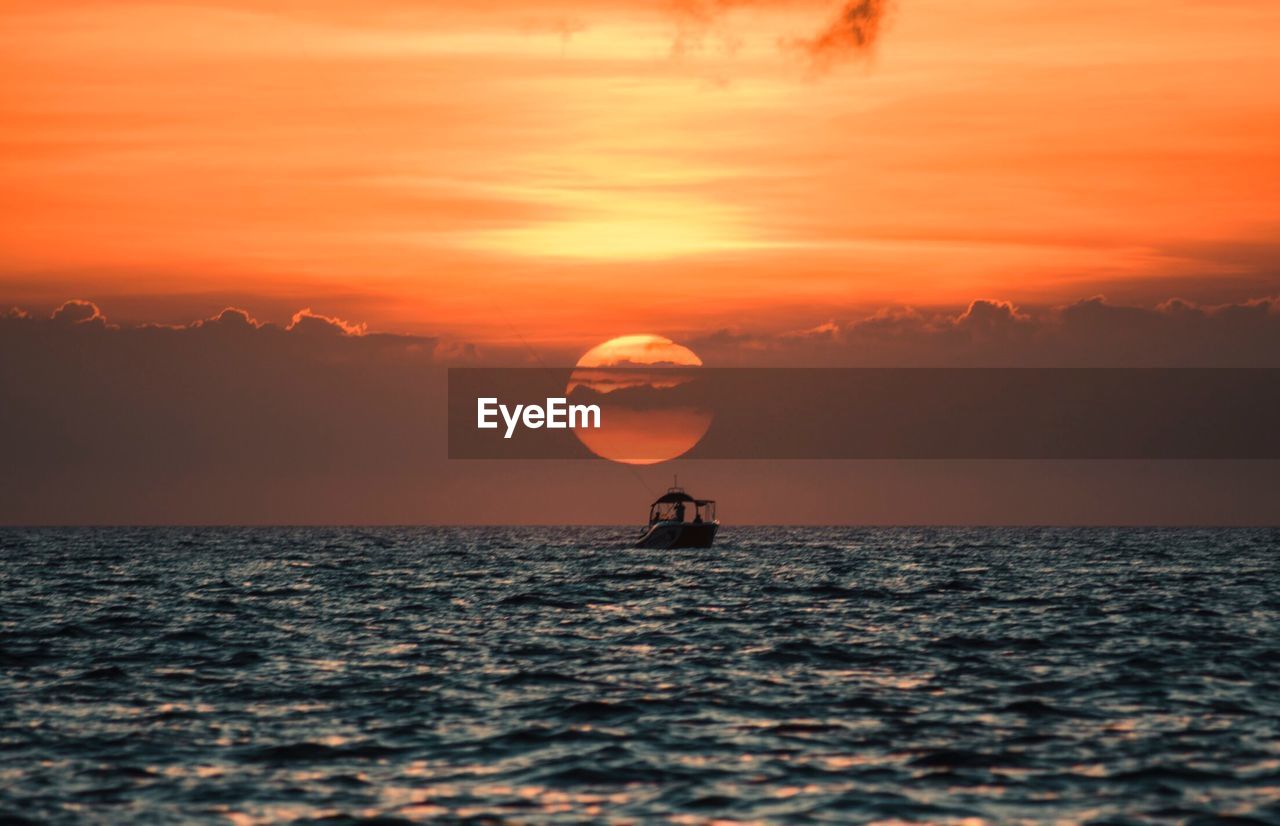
point(250, 676)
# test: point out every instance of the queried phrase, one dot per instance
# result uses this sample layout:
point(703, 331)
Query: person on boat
point(679, 511)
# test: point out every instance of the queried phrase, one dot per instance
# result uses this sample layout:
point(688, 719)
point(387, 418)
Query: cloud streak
point(854, 30)
point(991, 333)
point(1091, 332)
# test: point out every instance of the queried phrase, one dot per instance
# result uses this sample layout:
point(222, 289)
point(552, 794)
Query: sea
point(558, 675)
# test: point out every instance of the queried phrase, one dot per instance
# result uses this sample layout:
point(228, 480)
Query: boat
point(674, 524)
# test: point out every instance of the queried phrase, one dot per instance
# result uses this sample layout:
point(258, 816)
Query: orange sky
point(574, 169)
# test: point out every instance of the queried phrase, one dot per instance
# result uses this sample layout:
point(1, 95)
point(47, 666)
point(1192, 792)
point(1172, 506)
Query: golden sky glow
point(570, 170)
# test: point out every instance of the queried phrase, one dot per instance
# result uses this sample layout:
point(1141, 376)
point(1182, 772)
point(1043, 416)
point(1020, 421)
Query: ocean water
point(530, 675)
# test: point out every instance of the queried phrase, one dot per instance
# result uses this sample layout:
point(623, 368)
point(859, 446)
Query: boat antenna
point(675, 480)
point(640, 479)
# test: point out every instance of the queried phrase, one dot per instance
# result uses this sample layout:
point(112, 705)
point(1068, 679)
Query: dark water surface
point(534, 676)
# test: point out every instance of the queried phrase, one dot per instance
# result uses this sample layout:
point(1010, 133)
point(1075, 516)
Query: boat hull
point(679, 535)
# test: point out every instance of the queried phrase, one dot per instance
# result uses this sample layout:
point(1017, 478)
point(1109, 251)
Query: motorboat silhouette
point(677, 520)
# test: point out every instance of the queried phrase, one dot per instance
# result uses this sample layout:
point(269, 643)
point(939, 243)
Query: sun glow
point(621, 226)
point(609, 240)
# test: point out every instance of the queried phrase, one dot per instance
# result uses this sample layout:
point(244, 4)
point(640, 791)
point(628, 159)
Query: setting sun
point(639, 350)
point(652, 430)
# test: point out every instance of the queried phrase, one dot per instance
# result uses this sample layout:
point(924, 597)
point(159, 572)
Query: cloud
point(307, 322)
point(231, 318)
point(854, 30)
point(828, 331)
point(986, 313)
point(221, 415)
point(1088, 333)
point(78, 311)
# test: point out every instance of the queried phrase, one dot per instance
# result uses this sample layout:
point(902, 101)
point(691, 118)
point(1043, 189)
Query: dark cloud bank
point(1088, 333)
point(320, 421)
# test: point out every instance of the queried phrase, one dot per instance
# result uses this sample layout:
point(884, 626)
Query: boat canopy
point(672, 497)
point(671, 507)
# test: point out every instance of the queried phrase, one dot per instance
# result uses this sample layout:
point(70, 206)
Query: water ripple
point(496, 675)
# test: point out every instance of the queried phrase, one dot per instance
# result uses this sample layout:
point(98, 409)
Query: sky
point(569, 171)
point(242, 240)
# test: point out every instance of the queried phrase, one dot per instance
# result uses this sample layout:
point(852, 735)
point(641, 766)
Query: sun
point(641, 350)
point(646, 415)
